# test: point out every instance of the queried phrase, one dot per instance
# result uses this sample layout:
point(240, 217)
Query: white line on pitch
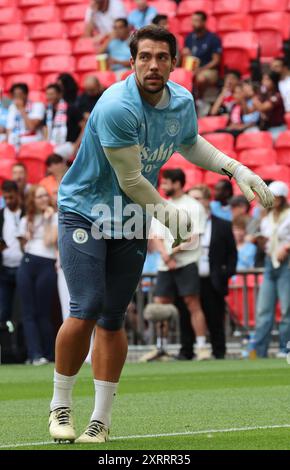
point(171, 434)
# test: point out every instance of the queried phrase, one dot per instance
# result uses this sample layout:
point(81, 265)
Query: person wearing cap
point(275, 227)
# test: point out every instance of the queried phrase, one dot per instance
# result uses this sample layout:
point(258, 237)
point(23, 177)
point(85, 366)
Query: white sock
point(158, 342)
point(62, 391)
point(200, 341)
point(104, 396)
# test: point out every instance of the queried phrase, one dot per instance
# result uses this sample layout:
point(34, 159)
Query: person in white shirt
point(100, 18)
point(24, 121)
point(281, 66)
point(178, 272)
point(37, 278)
point(11, 253)
point(275, 228)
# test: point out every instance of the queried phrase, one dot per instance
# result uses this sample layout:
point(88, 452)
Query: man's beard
point(169, 192)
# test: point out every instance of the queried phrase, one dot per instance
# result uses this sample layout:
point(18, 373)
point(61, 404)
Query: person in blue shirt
point(246, 250)
point(142, 15)
point(106, 201)
point(220, 206)
point(117, 46)
point(207, 47)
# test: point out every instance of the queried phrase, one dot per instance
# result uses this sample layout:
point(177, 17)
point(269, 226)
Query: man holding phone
point(10, 250)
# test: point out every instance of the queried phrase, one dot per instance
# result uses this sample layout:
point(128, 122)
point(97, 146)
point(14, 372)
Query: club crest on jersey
point(172, 127)
point(80, 236)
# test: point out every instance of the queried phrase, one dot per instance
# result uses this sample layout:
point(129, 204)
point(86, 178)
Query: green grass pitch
point(164, 406)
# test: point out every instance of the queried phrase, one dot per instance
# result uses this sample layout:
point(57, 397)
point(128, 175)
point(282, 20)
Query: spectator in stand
point(63, 122)
point(226, 100)
point(281, 66)
point(100, 17)
point(217, 264)
point(69, 87)
point(3, 118)
point(56, 169)
point(24, 121)
point(162, 20)
point(178, 273)
point(10, 250)
point(220, 206)
point(275, 227)
point(246, 250)
point(19, 175)
point(142, 15)
point(241, 118)
point(37, 275)
point(270, 105)
point(117, 46)
point(206, 46)
point(93, 91)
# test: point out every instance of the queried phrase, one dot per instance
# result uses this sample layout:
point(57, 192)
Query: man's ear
point(132, 63)
point(173, 64)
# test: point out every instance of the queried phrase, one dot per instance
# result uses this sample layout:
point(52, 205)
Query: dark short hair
point(53, 158)
point(22, 86)
point(55, 87)
point(156, 20)
point(202, 14)
point(9, 186)
point(238, 201)
point(227, 186)
point(155, 33)
point(122, 20)
point(234, 72)
point(175, 175)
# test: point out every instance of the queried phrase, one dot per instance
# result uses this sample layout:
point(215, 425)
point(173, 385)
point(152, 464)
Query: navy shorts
point(179, 282)
point(102, 275)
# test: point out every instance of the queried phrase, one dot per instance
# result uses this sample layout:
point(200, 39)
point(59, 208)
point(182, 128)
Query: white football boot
point(95, 433)
point(61, 426)
point(203, 353)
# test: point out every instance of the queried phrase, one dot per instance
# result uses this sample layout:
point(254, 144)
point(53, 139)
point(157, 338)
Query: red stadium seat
point(36, 169)
point(38, 150)
point(6, 165)
point(287, 119)
point(19, 65)
point(8, 3)
point(234, 22)
point(274, 172)
point(10, 15)
point(221, 140)
point(107, 78)
point(239, 48)
point(253, 140)
point(182, 77)
point(7, 151)
point(69, 2)
point(13, 32)
point(177, 161)
point(223, 7)
point(166, 7)
point(16, 49)
point(194, 176)
point(84, 46)
point(126, 74)
point(211, 179)
point(212, 123)
point(57, 64)
point(258, 156)
point(48, 31)
point(272, 28)
point(75, 29)
point(260, 6)
point(188, 7)
point(174, 25)
point(32, 80)
point(74, 12)
point(37, 96)
point(87, 62)
point(44, 14)
point(34, 3)
point(282, 146)
point(51, 47)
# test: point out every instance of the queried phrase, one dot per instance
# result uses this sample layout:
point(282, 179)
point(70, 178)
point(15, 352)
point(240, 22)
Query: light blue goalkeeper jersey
point(121, 118)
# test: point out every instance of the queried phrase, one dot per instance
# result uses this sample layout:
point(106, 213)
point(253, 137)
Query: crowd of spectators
point(28, 228)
